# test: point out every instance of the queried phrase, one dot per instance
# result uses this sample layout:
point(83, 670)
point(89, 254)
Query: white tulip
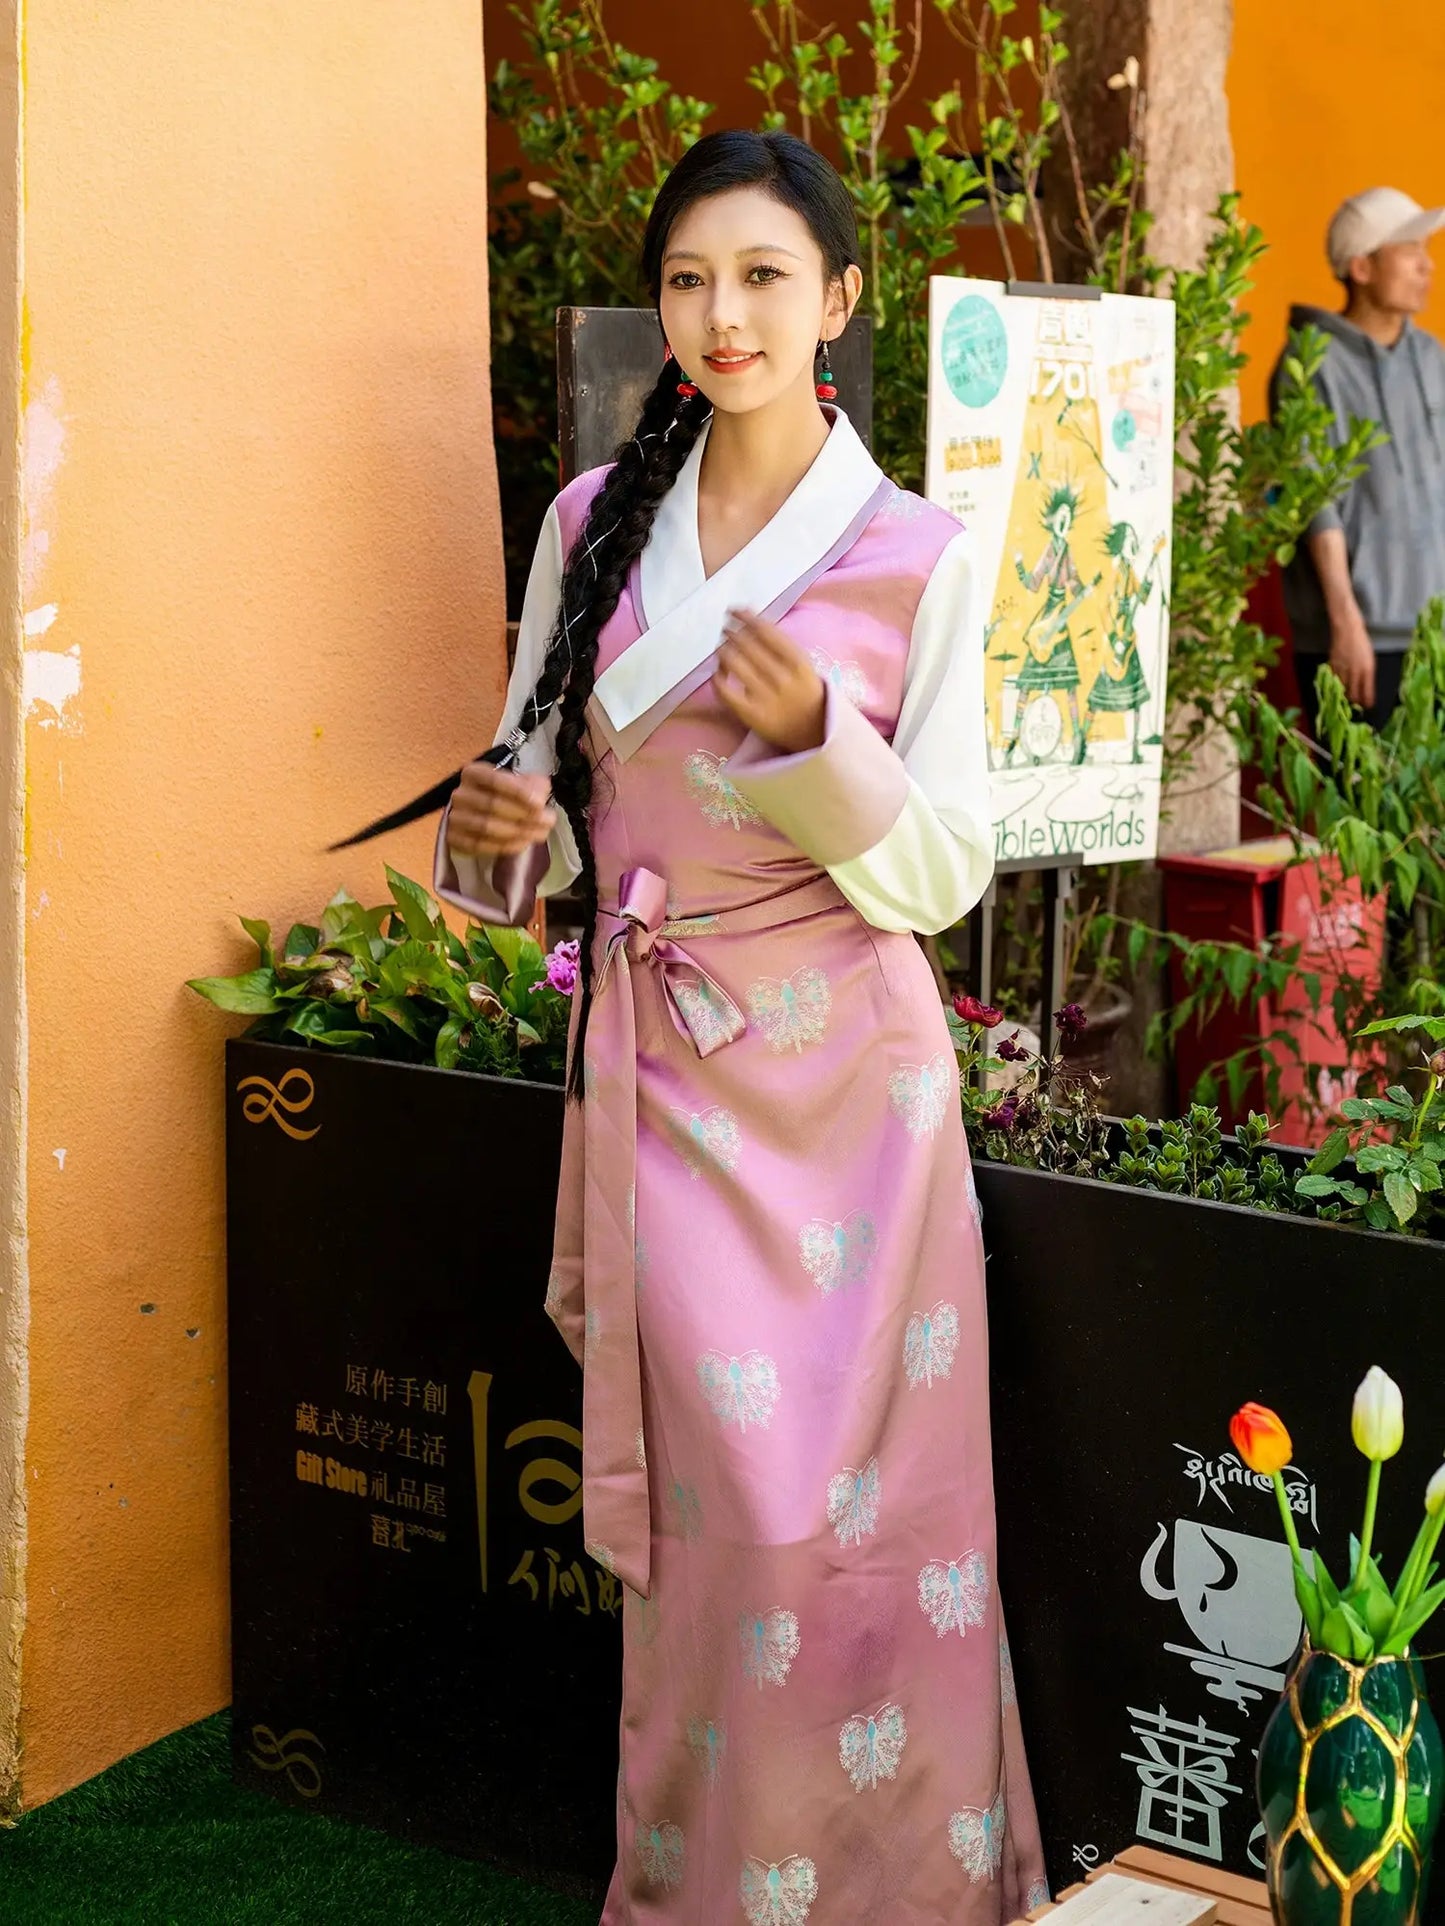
point(1377, 1422)
point(1435, 1494)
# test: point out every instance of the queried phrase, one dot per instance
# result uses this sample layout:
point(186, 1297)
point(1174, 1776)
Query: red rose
point(970, 1010)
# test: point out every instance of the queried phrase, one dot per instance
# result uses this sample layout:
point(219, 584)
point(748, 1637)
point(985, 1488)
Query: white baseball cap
point(1377, 218)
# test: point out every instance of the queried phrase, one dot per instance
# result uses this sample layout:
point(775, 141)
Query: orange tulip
point(1260, 1439)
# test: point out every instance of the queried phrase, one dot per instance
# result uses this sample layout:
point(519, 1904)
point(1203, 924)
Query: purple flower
point(563, 965)
point(1071, 1021)
point(1001, 1117)
point(1010, 1050)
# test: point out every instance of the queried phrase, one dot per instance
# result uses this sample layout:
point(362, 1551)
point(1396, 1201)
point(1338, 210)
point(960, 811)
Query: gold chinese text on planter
point(267, 1100)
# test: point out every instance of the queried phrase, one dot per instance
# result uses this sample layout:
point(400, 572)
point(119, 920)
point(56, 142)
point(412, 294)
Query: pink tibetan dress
point(767, 1257)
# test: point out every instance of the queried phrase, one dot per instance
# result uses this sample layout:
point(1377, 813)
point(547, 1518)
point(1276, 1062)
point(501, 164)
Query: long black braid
point(615, 532)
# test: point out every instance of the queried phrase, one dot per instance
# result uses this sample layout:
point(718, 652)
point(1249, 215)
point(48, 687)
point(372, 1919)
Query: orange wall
point(1326, 98)
point(264, 565)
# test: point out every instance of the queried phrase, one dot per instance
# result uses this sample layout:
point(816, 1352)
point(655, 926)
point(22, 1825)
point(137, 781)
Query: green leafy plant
point(395, 981)
point(1376, 799)
point(1383, 1172)
point(1395, 1143)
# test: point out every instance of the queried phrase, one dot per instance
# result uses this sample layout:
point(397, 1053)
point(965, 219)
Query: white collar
point(684, 608)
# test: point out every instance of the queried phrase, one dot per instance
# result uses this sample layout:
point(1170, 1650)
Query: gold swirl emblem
point(267, 1100)
point(284, 1755)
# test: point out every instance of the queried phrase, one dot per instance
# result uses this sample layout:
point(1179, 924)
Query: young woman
point(748, 714)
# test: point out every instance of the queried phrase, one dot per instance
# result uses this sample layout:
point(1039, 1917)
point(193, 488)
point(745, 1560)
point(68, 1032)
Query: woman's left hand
point(769, 684)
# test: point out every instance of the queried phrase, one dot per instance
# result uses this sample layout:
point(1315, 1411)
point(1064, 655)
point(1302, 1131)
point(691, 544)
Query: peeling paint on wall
point(51, 676)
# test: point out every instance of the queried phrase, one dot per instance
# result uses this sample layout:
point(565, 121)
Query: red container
point(1243, 895)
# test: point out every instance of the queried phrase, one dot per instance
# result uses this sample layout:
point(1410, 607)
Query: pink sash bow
point(615, 1508)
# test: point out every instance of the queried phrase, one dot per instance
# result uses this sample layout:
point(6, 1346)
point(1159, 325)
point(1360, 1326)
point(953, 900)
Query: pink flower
point(563, 965)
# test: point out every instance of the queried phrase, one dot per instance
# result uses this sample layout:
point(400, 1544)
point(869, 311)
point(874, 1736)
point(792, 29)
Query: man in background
point(1371, 560)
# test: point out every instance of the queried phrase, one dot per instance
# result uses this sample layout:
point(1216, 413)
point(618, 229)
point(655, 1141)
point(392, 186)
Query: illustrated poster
point(1051, 436)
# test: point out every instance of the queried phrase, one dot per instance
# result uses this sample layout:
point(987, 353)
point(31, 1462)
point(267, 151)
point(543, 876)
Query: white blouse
point(904, 828)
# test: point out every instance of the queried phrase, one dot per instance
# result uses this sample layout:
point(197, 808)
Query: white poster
point(1051, 436)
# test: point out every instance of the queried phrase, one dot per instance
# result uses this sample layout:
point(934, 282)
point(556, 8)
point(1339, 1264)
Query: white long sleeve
point(492, 888)
point(905, 830)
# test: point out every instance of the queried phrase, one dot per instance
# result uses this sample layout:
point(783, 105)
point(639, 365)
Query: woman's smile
point(730, 360)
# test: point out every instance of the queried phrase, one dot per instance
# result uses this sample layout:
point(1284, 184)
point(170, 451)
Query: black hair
point(646, 465)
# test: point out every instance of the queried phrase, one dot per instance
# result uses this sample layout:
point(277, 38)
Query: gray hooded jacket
point(1394, 515)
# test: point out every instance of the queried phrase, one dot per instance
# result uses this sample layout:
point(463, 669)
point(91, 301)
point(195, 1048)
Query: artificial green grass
point(165, 1838)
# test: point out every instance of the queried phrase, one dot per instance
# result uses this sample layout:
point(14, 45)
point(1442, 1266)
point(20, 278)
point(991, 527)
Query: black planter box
point(418, 1639)
point(1141, 1565)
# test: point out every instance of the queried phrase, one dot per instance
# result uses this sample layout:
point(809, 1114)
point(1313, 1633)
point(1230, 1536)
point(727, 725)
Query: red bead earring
point(825, 389)
point(685, 388)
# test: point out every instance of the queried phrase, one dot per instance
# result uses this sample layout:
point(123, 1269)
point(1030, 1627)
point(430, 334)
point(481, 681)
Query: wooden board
point(1114, 1899)
point(1235, 1901)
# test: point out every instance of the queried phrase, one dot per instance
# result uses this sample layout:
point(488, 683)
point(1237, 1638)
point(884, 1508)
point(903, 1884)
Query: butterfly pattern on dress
point(1008, 1690)
point(919, 1094)
point(871, 1744)
point(853, 1498)
point(682, 1502)
point(778, 1895)
point(639, 1449)
point(769, 1642)
point(601, 1554)
point(707, 1741)
point(710, 1137)
point(930, 1340)
point(741, 1390)
point(794, 1012)
point(837, 1254)
point(715, 794)
point(712, 1020)
point(846, 677)
point(660, 1850)
point(954, 1596)
point(903, 506)
point(975, 1838)
point(1038, 1896)
point(591, 1336)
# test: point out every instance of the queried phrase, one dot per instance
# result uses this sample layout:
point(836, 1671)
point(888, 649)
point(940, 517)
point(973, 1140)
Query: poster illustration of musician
point(1050, 435)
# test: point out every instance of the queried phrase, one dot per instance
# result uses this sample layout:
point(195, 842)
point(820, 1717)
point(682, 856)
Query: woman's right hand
point(499, 812)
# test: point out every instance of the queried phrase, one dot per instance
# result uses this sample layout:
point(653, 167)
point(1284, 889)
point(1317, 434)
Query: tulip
point(969, 1010)
point(1259, 1436)
point(1378, 1419)
point(1260, 1439)
point(1377, 1424)
point(1412, 1576)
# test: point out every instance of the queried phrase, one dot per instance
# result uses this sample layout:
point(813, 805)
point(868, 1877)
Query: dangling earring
point(685, 388)
point(825, 389)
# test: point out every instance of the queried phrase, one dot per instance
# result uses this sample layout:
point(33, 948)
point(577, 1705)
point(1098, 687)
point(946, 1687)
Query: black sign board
point(1142, 1567)
point(418, 1639)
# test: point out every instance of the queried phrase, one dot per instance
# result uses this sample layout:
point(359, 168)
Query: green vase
point(1351, 1781)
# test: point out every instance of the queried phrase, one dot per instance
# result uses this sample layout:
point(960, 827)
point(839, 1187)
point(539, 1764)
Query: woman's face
point(743, 302)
